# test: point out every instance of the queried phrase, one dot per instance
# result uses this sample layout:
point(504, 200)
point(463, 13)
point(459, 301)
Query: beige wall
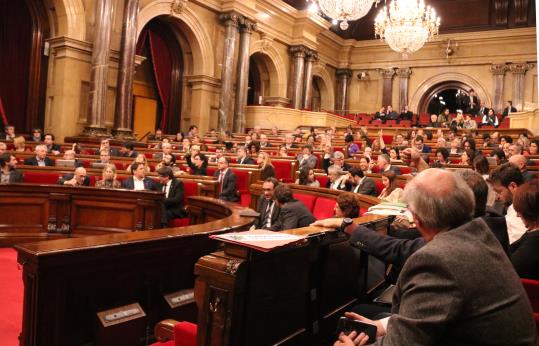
point(279, 26)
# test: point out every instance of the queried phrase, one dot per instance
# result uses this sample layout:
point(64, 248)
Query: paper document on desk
point(259, 239)
point(385, 208)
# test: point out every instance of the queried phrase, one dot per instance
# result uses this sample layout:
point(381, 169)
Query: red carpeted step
point(11, 297)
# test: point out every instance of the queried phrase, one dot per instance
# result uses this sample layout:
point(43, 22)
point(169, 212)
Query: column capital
point(404, 72)
point(520, 68)
point(387, 73)
point(246, 25)
point(343, 72)
point(230, 18)
point(498, 69)
point(311, 55)
point(298, 51)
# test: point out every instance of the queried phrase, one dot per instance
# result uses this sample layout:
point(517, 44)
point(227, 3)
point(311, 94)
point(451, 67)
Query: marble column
point(296, 78)
point(230, 21)
point(242, 74)
point(341, 101)
point(95, 121)
point(498, 73)
point(123, 113)
point(387, 91)
point(519, 72)
point(310, 58)
point(404, 78)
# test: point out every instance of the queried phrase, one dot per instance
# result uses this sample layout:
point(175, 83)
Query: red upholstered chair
point(379, 186)
point(324, 208)
point(388, 139)
point(322, 179)
point(190, 188)
point(243, 180)
point(283, 170)
point(210, 171)
point(185, 334)
point(41, 177)
point(92, 180)
point(308, 200)
point(532, 289)
point(375, 168)
point(405, 169)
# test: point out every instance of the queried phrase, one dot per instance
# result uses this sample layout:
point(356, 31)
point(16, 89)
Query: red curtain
point(162, 69)
point(15, 48)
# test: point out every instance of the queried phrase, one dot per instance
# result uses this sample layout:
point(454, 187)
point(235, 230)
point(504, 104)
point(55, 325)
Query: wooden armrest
point(164, 330)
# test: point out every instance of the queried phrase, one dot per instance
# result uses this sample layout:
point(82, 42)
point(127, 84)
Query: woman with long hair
point(266, 168)
point(391, 192)
point(108, 178)
point(306, 177)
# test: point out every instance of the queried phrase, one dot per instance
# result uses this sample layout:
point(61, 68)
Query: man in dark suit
point(472, 104)
point(482, 109)
point(128, 150)
point(173, 201)
point(138, 181)
point(105, 145)
point(421, 146)
point(77, 178)
point(444, 295)
point(242, 157)
point(384, 163)
point(293, 214)
point(8, 169)
point(9, 133)
point(406, 114)
point(359, 183)
point(264, 142)
point(267, 207)
point(227, 181)
point(391, 114)
point(508, 109)
point(40, 159)
point(71, 155)
point(166, 149)
point(521, 162)
point(52, 148)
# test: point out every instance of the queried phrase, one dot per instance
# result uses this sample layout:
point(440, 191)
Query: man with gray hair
point(338, 160)
point(384, 163)
point(449, 291)
point(40, 159)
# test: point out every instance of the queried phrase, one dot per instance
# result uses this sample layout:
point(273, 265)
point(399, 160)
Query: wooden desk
point(40, 212)
point(67, 281)
point(292, 295)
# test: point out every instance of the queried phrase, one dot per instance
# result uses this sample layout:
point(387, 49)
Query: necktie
point(221, 177)
point(268, 214)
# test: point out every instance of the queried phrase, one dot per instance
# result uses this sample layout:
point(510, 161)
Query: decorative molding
point(521, 12)
point(246, 25)
point(520, 68)
point(177, 6)
point(298, 51)
point(498, 69)
point(232, 266)
point(387, 73)
point(404, 72)
point(230, 18)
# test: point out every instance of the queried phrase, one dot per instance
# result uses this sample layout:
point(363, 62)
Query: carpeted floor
point(11, 298)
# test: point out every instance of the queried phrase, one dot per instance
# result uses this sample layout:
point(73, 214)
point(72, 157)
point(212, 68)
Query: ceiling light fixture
point(342, 11)
point(407, 25)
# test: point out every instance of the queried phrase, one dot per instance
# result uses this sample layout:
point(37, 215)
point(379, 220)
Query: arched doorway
point(23, 66)
point(441, 96)
point(262, 73)
point(159, 80)
point(316, 103)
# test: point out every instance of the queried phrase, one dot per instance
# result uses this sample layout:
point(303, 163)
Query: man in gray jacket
point(458, 289)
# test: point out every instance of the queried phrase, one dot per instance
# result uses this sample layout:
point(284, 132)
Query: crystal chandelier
point(407, 25)
point(342, 11)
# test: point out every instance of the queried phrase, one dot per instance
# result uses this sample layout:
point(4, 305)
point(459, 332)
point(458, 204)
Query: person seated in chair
point(293, 214)
point(9, 133)
point(197, 162)
point(384, 163)
point(391, 114)
point(347, 206)
point(508, 109)
point(52, 148)
point(138, 181)
point(243, 158)
point(406, 114)
point(77, 178)
point(108, 178)
point(37, 135)
point(267, 207)
point(8, 169)
point(173, 202)
point(228, 190)
point(70, 155)
point(381, 114)
point(359, 183)
point(40, 159)
point(306, 158)
point(337, 178)
point(105, 146)
point(128, 150)
point(490, 119)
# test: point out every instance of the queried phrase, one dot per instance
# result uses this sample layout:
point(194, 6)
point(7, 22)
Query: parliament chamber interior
point(269, 172)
